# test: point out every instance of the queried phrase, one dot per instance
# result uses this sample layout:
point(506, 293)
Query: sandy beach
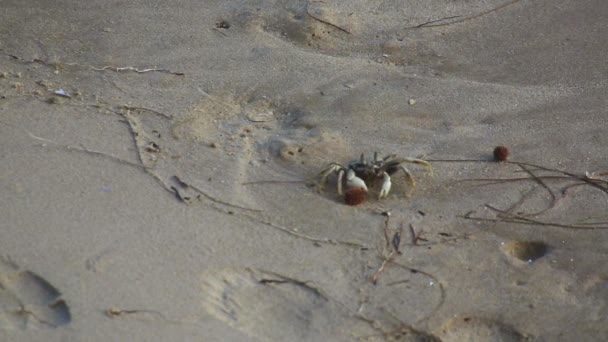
point(160, 170)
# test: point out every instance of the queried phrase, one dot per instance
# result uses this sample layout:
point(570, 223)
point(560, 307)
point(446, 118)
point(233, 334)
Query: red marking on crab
point(354, 196)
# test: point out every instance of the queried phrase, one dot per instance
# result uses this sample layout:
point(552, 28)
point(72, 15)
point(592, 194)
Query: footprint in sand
point(274, 308)
point(28, 300)
point(360, 27)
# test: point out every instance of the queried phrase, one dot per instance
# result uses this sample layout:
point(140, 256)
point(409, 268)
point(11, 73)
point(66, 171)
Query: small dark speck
point(222, 24)
point(421, 212)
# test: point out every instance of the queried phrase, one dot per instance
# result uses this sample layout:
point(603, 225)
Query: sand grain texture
point(159, 161)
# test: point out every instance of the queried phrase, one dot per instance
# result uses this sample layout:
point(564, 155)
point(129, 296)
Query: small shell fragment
point(62, 92)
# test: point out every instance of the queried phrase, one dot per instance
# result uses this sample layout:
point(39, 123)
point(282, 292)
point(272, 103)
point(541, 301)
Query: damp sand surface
point(160, 164)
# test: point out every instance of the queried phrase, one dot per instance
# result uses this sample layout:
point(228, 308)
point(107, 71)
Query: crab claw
point(352, 181)
point(386, 186)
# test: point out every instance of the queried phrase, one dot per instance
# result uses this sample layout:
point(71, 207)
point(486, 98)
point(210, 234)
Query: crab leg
point(417, 161)
point(386, 185)
point(331, 168)
point(390, 156)
point(340, 176)
point(410, 179)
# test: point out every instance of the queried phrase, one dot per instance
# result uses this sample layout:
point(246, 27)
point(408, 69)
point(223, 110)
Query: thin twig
point(590, 181)
point(385, 230)
point(506, 180)
point(425, 25)
point(163, 115)
point(513, 218)
point(324, 21)
point(286, 279)
point(413, 234)
point(374, 278)
point(397, 239)
point(554, 198)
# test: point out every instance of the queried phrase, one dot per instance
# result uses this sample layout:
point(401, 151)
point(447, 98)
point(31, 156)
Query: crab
point(360, 172)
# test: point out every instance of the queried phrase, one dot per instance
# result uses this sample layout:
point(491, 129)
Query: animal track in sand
point(399, 290)
point(379, 30)
point(275, 308)
point(28, 300)
point(253, 129)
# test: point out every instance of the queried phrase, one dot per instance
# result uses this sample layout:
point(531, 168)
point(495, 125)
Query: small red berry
point(501, 153)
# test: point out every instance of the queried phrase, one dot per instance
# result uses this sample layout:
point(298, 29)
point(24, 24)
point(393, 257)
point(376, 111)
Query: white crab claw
point(386, 186)
point(352, 181)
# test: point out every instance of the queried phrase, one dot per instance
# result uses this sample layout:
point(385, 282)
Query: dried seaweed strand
point(513, 218)
point(113, 68)
point(590, 181)
point(134, 69)
point(492, 181)
point(554, 198)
